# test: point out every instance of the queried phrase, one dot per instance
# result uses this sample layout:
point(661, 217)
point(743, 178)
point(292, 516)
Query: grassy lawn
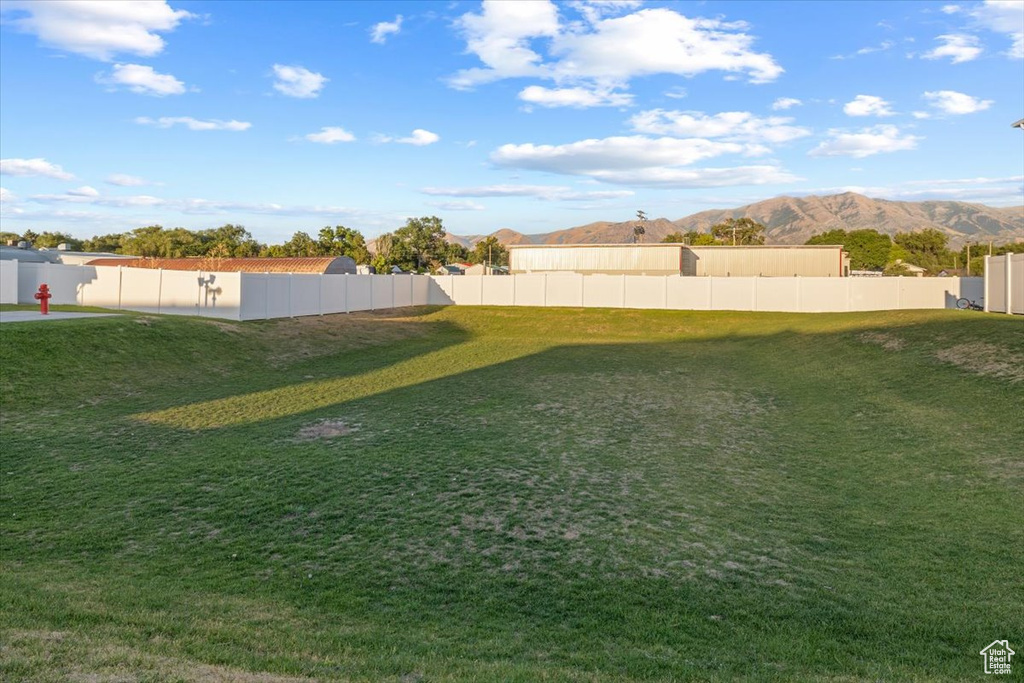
point(512, 495)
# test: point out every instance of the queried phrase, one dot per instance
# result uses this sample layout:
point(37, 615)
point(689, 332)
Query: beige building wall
point(677, 259)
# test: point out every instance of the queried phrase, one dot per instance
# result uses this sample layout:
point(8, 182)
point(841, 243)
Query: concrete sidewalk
point(30, 316)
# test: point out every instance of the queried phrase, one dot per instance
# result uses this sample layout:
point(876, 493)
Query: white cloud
point(463, 205)
point(784, 103)
point(98, 29)
point(586, 156)
point(606, 52)
point(865, 143)
point(640, 160)
point(920, 115)
point(84, 191)
point(33, 167)
point(1004, 16)
point(380, 32)
point(545, 192)
point(7, 196)
point(419, 138)
point(739, 126)
point(578, 98)
point(951, 9)
point(676, 93)
point(296, 81)
point(698, 177)
point(142, 80)
point(952, 102)
point(957, 46)
point(193, 124)
point(329, 135)
point(867, 105)
point(125, 180)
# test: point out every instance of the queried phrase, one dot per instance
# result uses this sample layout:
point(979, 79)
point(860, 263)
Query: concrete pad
point(36, 316)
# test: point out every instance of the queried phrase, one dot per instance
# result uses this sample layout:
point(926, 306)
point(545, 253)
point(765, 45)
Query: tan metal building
point(679, 259)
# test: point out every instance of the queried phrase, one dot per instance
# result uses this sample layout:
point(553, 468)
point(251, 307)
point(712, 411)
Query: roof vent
point(23, 245)
point(63, 246)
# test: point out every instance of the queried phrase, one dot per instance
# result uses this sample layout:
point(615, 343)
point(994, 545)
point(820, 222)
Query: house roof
point(317, 264)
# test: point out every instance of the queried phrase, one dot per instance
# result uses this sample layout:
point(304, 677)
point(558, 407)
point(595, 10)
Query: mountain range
point(792, 220)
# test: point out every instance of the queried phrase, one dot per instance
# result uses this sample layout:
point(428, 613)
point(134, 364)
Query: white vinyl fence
point(253, 296)
point(675, 292)
point(1004, 283)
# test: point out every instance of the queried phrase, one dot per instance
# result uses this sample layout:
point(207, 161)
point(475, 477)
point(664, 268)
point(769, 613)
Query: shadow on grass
point(787, 505)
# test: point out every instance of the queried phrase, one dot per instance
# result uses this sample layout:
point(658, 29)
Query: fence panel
point(823, 294)
point(467, 290)
point(421, 288)
point(64, 282)
point(602, 291)
point(1017, 283)
point(732, 294)
point(141, 289)
point(529, 290)
point(688, 293)
point(360, 292)
point(402, 288)
point(8, 282)
point(564, 289)
point(382, 289)
point(640, 291)
point(778, 294)
point(496, 291)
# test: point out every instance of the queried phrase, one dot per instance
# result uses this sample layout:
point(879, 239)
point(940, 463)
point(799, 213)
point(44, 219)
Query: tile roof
point(315, 264)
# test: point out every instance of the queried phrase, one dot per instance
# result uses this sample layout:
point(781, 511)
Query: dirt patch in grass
point(889, 342)
point(324, 429)
point(988, 360)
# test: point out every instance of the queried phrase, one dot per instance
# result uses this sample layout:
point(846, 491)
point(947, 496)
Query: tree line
point(868, 249)
point(419, 245)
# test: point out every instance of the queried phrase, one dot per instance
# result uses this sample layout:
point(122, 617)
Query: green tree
point(693, 238)
point(392, 251)
point(50, 240)
point(455, 252)
point(301, 245)
point(342, 241)
point(424, 238)
point(9, 238)
point(489, 250)
point(106, 243)
point(738, 231)
point(868, 249)
point(925, 248)
point(226, 241)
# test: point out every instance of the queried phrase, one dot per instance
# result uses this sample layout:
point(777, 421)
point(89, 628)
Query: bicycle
point(965, 303)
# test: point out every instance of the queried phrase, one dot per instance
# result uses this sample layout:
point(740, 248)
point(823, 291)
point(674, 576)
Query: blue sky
point(527, 115)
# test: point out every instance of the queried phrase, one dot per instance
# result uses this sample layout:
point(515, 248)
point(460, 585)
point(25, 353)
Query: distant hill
point(792, 220)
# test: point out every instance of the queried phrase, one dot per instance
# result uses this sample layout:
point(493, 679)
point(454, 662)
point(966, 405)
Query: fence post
point(393, 291)
point(899, 293)
point(119, 268)
point(984, 289)
point(754, 281)
point(160, 289)
point(371, 294)
point(513, 288)
point(583, 290)
point(266, 295)
point(623, 291)
point(545, 290)
point(290, 296)
point(320, 294)
point(412, 290)
point(1008, 271)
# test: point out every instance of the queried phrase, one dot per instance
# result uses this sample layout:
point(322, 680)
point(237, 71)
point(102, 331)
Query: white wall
point(1004, 283)
point(796, 294)
point(251, 296)
point(8, 282)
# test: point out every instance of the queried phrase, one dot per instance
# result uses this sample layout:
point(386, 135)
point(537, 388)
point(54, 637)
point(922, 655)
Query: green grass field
point(487, 494)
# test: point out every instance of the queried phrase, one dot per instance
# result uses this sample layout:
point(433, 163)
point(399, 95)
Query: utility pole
point(639, 230)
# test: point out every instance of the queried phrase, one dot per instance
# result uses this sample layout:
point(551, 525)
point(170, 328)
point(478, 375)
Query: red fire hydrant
point(44, 299)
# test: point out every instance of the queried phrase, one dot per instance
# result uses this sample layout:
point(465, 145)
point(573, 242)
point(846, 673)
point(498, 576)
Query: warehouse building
point(680, 259)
